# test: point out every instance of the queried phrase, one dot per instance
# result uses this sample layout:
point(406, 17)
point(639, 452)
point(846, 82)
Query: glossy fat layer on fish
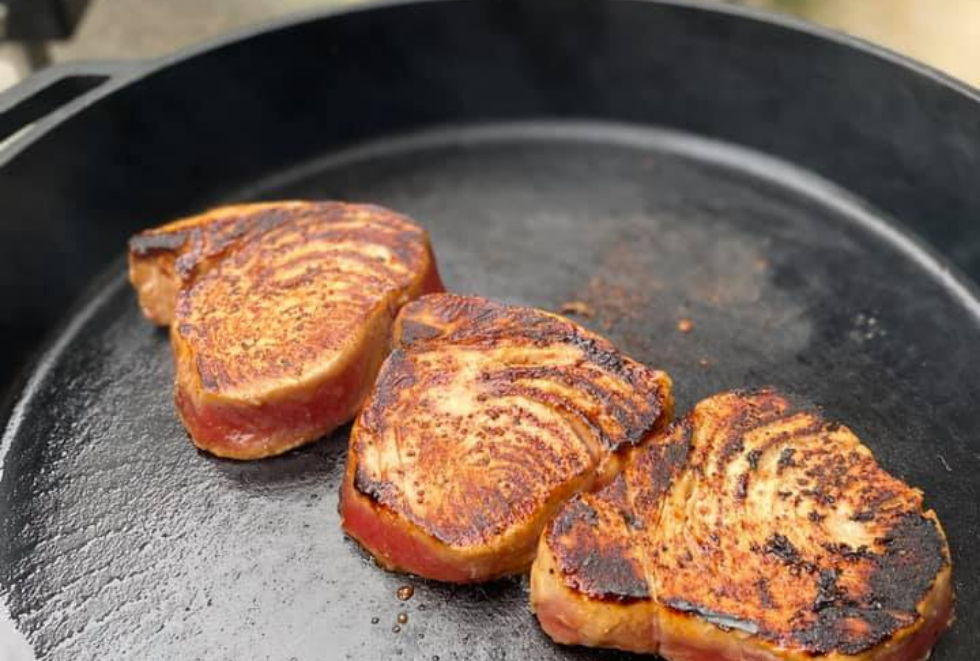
point(484, 419)
point(773, 526)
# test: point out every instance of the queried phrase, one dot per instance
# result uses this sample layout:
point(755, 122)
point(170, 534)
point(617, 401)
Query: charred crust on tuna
point(598, 567)
point(765, 596)
point(413, 331)
point(915, 553)
point(801, 580)
point(375, 490)
point(148, 242)
point(742, 486)
point(498, 413)
point(779, 546)
point(785, 459)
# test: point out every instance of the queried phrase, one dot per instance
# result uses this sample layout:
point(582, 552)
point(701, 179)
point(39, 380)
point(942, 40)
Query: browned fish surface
point(750, 530)
point(484, 419)
point(280, 314)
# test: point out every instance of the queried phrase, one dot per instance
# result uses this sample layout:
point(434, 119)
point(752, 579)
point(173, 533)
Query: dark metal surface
point(119, 541)
point(123, 542)
point(51, 95)
point(39, 96)
point(182, 132)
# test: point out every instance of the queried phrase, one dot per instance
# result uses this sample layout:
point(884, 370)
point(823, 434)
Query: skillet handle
point(49, 93)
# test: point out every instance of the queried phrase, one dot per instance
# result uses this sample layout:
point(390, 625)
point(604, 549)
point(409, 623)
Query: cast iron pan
point(657, 162)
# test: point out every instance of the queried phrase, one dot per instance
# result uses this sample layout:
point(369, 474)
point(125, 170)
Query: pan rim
point(145, 69)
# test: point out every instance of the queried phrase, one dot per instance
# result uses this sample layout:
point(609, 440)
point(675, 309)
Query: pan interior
point(121, 541)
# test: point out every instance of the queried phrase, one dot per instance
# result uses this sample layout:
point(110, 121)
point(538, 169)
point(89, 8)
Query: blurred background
point(33, 33)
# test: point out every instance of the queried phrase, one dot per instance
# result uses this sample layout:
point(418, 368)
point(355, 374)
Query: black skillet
point(657, 161)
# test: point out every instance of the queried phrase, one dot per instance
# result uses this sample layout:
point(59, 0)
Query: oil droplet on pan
point(405, 592)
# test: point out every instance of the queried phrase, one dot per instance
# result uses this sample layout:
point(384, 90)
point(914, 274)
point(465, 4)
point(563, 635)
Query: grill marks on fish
point(768, 521)
point(486, 417)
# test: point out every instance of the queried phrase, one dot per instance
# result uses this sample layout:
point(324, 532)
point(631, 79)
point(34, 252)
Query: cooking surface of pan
point(722, 266)
point(725, 267)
